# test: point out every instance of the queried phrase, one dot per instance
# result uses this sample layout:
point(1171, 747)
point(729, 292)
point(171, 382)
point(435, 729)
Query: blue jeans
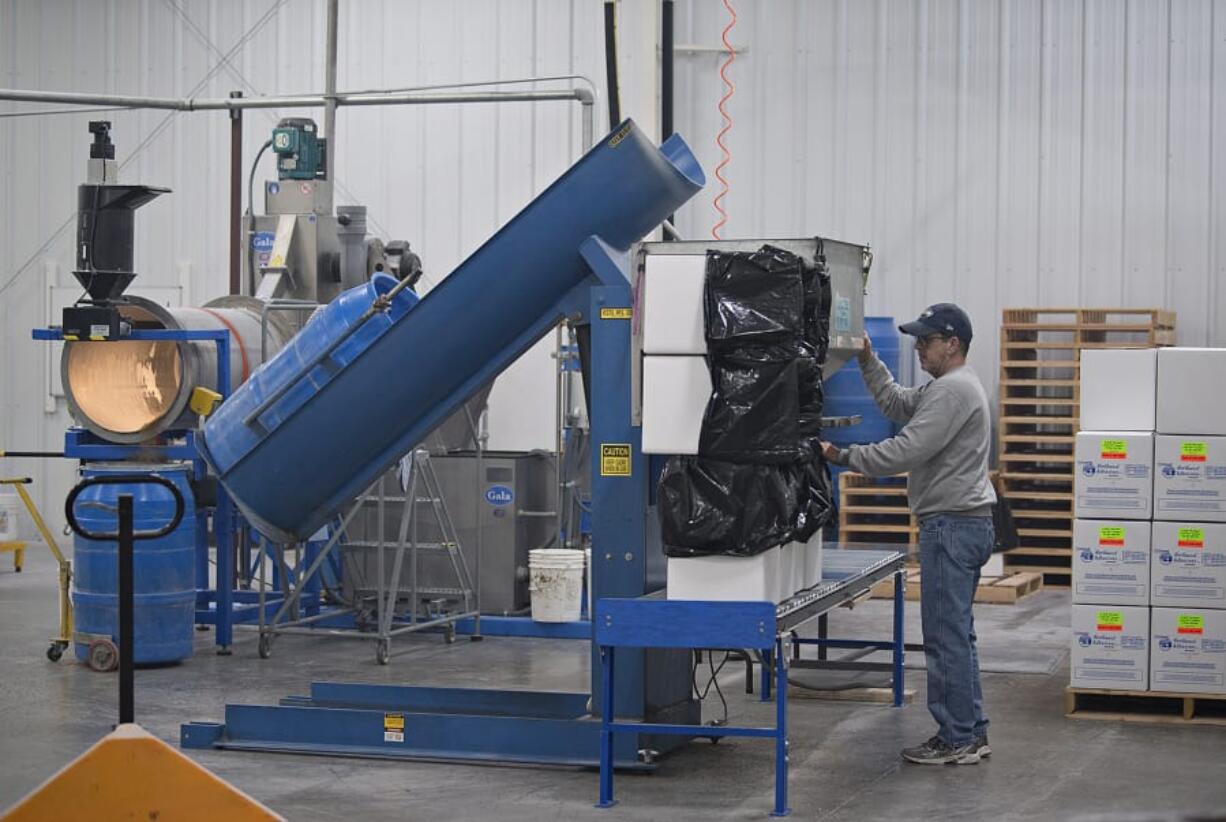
point(952, 550)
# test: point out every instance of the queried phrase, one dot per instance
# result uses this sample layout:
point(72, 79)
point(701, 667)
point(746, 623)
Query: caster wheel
point(383, 651)
point(102, 655)
point(265, 648)
point(55, 651)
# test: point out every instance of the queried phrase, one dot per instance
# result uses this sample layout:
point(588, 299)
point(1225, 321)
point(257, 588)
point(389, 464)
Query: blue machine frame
point(219, 605)
point(653, 622)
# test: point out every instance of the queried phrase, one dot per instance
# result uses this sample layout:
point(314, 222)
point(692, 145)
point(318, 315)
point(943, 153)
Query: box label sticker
point(1114, 449)
point(842, 314)
point(393, 727)
point(1110, 620)
point(614, 459)
point(1193, 451)
point(1111, 536)
point(1191, 624)
point(1191, 537)
point(616, 313)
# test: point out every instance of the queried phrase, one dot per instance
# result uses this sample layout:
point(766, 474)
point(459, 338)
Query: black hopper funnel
point(106, 230)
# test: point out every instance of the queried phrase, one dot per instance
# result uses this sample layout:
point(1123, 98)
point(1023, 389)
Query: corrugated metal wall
point(994, 152)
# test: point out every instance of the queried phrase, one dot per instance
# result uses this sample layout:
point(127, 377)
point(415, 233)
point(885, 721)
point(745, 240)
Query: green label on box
point(1191, 538)
point(1193, 451)
point(1111, 535)
point(1114, 449)
point(1191, 624)
point(1110, 620)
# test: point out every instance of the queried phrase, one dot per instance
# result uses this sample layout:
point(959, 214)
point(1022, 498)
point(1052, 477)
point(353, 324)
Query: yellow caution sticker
point(620, 135)
point(1111, 536)
point(1191, 624)
point(614, 459)
point(616, 313)
point(393, 727)
point(1114, 449)
point(1191, 537)
point(1193, 451)
point(1110, 620)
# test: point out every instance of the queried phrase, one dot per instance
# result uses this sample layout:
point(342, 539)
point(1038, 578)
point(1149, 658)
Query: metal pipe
point(610, 63)
point(330, 91)
point(582, 95)
point(236, 197)
point(666, 81)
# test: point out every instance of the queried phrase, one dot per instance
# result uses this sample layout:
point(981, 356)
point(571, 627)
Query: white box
point(1192, 391)
point(1111, 562)
point(1113, 475)
point(994, 567)
point(675, 395)
point(738, 579)
point(1189, 565)
point(1190, 478)
point(1118, 389)
point(672, 297)
point(791, 569)
point(1110, 647)
point(813, 560)
point(1188, 650)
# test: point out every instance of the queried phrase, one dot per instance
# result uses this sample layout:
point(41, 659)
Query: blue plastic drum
point(164, 575)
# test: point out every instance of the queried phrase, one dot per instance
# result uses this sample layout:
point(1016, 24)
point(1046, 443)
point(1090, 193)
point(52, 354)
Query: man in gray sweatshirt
point(944, 448)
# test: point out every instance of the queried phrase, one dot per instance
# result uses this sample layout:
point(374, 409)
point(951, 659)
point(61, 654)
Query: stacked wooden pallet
point(875, 510)
point(1040, 356)
point(997, 590)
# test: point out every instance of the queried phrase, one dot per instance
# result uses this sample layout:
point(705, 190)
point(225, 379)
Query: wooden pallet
point(1040, 398)
point(875, 510)
point(1002, 590)
point(1165, 707)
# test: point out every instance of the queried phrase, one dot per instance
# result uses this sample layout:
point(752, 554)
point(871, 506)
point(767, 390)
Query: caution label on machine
point(614, 459)
point(393, 727)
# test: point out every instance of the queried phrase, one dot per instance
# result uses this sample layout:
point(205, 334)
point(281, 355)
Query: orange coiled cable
point(729, 90)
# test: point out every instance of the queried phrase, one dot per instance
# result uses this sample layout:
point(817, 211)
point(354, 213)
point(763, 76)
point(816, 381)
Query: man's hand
point(865, 353)
point(832, 453)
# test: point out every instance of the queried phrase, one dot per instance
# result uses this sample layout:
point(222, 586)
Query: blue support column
point(781, 731)
point(606, 731)
point(767, 659)
point(900, 582)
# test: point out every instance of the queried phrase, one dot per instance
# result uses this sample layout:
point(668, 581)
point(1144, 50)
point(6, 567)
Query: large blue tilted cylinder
point(163, 570)
point(847, 395)
point(293, 465)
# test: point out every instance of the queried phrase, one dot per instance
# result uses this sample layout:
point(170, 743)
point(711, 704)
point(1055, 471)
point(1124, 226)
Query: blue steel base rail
point(654, 622)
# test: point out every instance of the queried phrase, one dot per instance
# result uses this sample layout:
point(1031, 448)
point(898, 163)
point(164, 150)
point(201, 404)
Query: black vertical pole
point(127, 707)
point(666, 80)
point(610, 63)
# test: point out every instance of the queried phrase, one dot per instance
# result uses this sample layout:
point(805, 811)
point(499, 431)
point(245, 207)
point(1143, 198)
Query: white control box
point(1189, 565)
point(1111, 562)
point(1190, 477)
point(1113, 475)
point(671, 297)
point(675, 395)
point(1110, 647)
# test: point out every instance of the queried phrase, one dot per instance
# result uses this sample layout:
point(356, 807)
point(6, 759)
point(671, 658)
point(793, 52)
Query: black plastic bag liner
point(754, 409)
point(753, 297)
point(710, 507)
point(817, 498)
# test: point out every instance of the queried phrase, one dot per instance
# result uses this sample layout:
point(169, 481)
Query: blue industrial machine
point(570, 255)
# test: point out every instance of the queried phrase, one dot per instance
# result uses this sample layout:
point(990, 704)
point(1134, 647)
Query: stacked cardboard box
point(1149, 564)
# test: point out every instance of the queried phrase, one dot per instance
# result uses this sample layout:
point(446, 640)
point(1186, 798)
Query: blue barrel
point(322, 444)
point(846, 394)
point(164, 573)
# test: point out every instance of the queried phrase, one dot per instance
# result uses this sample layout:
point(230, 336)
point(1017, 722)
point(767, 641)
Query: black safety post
point(127, 640)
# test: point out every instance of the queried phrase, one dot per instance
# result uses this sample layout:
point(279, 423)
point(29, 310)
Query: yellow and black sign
point(621, 135)
point(393, 727)
point(616, 313)
point(614, 459)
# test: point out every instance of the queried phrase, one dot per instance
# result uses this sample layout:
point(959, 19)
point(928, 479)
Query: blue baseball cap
point(946, 319)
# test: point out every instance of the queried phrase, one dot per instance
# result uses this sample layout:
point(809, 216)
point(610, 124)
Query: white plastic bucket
point(10, 510)
point(555, 581)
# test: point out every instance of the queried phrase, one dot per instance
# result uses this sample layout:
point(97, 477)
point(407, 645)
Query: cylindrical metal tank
point(164, 573)
point(130, 391)
point(319, 446)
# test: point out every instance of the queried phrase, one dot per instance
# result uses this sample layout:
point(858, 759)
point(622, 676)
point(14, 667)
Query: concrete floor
point(845, 763)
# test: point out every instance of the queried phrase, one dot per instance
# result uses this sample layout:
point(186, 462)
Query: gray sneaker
point(937, 752)
point(981, 746)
